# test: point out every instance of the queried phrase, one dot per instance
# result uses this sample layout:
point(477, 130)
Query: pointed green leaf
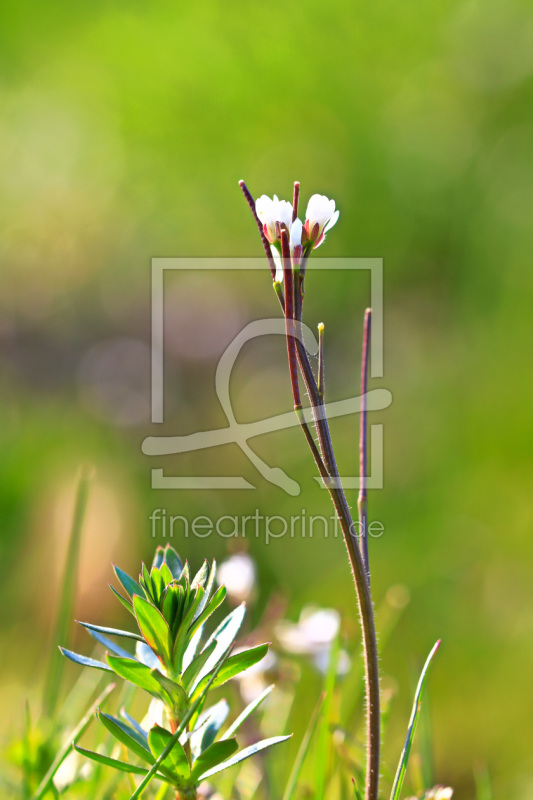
point(191, 649)
point(200, 579)
point(242, 754)
point(127, 736)
point(208, 726)
point(153, 627)
point(224, 636)
point(166, 574)
point(134, 724)
point(159, 557)
point(157, 583)
point(84, 661)
point(173, 561)
point(138, 674)
point(404, 758)
point(176, 760)
point(184, 635)
point(208, 587)
point(215, 754)
point(126, 603)
point(131, 586)
point(111, 762)
point(109, 645)
point(211, 607)
point(234, 665)
point(250, 708)
point(197, 664)
point(174, 690)
point(111, 631)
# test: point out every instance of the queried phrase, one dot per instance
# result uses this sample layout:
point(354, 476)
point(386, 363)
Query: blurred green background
point(125, 131)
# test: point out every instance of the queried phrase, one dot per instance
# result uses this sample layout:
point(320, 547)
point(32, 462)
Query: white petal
point(332, 221)
point(284, 213)
point(279, 264)
point(264, 207)
point(296, 233)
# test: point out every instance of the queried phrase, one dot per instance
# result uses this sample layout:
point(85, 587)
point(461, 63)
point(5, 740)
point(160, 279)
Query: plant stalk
point(325, 459)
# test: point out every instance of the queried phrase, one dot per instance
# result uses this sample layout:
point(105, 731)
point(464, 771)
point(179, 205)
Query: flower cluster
point(276, 215)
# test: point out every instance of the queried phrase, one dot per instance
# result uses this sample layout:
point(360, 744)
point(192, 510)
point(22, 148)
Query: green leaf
point(157, 583)
point(134, 724)
point(208, 586)
point(215, 754)
point(109, 645)
point(84, 661)
point(211, 607)
point(201, 576)
point(194, 668)
point(234, 665)
point(131, 586)
point(250, 708)
point(138, 674)
point(174, 691)
point(176, 760)
point(191, 649)
point(208, 726)
point(184, 635)
point(166, 574)
point(127, 736)
point(126, 603)
point(173, 561)
point(159, 557)
point(224, 636)
point(154, 628)
point(246, 753)
point(404, 758)
point(112, 762)
point(111, 631)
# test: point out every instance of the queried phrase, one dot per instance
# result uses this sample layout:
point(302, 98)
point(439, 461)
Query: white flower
point(238, 576)
point(273, 213)
point(315, 630)
point(279, 264)
point(313, 635)
point(320, 217)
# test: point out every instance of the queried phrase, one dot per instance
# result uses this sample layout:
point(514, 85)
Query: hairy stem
point(325, 459)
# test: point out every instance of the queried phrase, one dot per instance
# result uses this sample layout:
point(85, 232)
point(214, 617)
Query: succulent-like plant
point(176, 666)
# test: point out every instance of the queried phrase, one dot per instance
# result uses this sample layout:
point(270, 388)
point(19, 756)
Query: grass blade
point(404, 758)
point(73, 739)
point(304, 748)
point(68, 590)
point(323, 750)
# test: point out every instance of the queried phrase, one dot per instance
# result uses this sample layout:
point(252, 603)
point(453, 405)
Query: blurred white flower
point(273, 213)
point(238, 574)
point(320, 217)
point(67, 772)
point(313, 635)
point(315, 630)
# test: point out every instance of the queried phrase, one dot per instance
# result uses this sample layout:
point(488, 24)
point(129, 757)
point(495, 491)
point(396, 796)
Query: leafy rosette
point(179, 667)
